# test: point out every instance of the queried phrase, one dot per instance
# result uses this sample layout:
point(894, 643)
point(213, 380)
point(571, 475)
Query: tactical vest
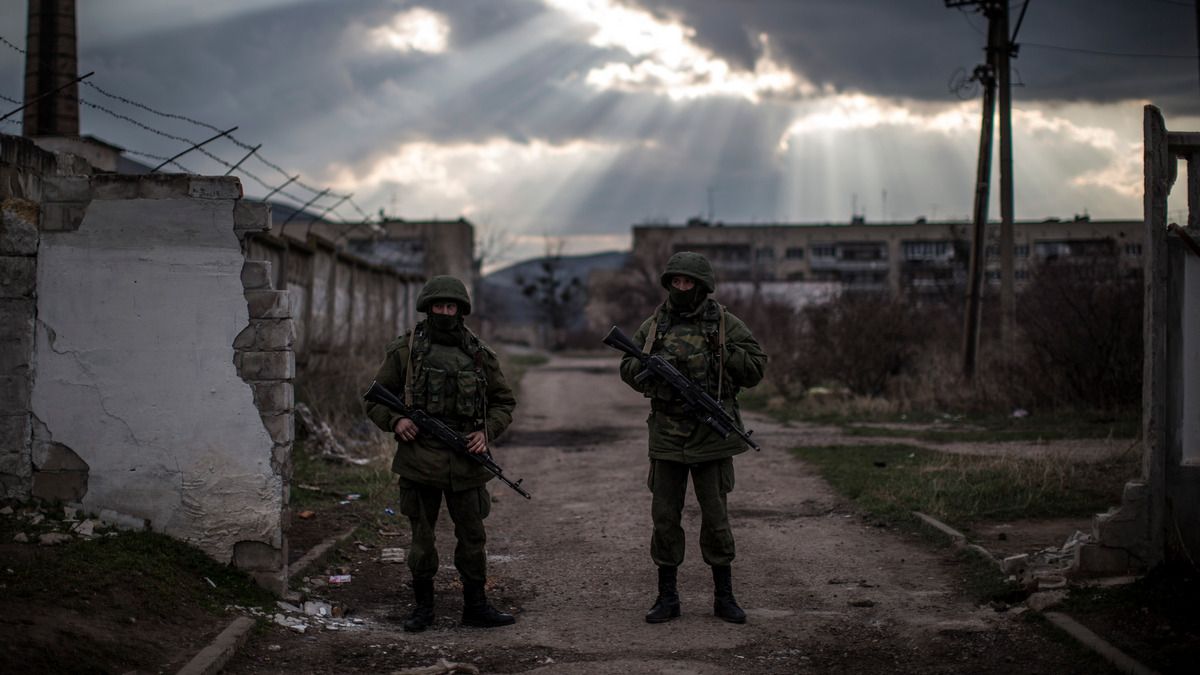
point(447, 381)
point(695, 347)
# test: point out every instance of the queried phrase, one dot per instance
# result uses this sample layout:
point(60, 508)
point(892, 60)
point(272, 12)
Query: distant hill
point(500, 291)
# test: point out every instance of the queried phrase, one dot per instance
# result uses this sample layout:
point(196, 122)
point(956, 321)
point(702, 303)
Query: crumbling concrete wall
point(158, 378)
point(339, 300)
point(1159, 517)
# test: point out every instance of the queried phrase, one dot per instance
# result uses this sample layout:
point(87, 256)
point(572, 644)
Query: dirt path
point(824, 592)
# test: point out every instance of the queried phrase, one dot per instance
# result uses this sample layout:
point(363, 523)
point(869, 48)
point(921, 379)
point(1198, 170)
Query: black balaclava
point(445, 329)
point(687, 301)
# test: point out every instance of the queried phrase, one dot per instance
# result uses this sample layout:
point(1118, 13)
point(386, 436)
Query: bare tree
point(556, 293)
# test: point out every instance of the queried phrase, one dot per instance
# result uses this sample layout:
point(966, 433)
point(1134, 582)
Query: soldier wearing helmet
point(444, 369)
point(714, 348)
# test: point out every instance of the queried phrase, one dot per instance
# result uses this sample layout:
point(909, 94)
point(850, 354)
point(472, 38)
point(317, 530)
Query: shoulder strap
point(408, 371)
point(720, 349)
point(652, 333)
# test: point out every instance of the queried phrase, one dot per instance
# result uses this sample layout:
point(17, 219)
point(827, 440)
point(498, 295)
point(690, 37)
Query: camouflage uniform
point(460, 384)
point(680, 445)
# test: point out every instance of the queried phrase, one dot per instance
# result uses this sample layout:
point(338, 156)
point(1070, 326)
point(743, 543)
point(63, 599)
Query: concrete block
point(281, 456)
point(62, 216)
point(274, 334)
point(52, 456)
point(215, 187)
point(16, 318)
point(164, 186)
point(14, 394)
point(256, 275)
point(256, 555)
point(251, 216)
point(15, 354)
point(14, 435)
point(1098, 560)
point(59, 485)
point(67, 164)
point(267, 365)
point(19, 226)
point(16, 464)
point(244, 341)
point(18, 276)
point(273, 396)
point(268, 304)
point(67, 189)
point(115, 186)
point(281, 427)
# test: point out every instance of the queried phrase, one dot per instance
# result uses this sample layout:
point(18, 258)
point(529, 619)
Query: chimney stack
point(50, 62)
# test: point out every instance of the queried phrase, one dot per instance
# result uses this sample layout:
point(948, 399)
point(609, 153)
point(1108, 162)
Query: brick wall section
point(265, 358)
point(22, 167)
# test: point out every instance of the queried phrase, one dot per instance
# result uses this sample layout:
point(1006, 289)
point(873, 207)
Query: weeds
point(890, 481)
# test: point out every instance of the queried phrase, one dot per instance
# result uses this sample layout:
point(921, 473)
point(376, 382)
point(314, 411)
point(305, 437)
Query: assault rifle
point(438, 429)
point(696, 401)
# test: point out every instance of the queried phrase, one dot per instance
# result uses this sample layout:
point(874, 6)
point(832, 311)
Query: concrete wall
point(157, 383)
point(339, 300)
point(1158, 520)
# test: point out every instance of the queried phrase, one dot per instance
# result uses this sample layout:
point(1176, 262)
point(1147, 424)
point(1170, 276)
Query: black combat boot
point(478, 612)
point(724, 605)
point(422, 615)
point(666, 605)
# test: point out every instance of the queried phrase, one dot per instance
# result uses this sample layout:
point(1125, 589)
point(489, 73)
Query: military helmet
point(446, 289)
point(692, 265)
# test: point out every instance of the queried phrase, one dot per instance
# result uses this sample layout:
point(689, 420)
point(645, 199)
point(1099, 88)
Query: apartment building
point(859, 256)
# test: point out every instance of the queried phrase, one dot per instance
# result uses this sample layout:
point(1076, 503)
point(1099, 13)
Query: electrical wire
point(1098, 52)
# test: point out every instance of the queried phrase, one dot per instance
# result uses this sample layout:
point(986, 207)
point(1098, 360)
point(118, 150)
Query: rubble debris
point(392, 555)
point(318, 608)
point(339, 578)
point(1043, 600)
point(21, 538)
point(331, 449)
point(54, 538)
point(6, 511)
point(305, 515)
point(442, 667)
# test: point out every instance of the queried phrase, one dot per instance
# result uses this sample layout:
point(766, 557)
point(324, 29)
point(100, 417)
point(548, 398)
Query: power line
point(1098, 52)
point(319, 193)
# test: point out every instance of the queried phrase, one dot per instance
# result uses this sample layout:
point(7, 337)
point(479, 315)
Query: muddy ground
point(824, 590)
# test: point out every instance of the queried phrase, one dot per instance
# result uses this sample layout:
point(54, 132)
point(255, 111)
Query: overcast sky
point(579, 118)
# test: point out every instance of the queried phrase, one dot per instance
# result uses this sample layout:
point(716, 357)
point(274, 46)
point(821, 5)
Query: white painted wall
point(137, 314)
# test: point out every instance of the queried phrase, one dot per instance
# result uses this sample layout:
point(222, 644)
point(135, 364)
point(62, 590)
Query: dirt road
point(824, 591)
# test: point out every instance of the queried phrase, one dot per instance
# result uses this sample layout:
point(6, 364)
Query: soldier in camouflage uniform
point(442, 368)
point(716, 350)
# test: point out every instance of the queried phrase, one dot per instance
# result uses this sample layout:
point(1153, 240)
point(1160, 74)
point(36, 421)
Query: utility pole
point(996, 71)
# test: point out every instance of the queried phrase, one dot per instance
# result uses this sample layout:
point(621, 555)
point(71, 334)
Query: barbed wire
point(191, 120)
point(11, 45)
point(319, 193)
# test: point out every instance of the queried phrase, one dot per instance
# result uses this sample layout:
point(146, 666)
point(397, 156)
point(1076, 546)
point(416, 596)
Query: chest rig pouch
point(446, 381)
point(696, 347)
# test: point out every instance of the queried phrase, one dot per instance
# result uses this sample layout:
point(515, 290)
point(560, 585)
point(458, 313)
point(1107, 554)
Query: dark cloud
point(910, 49)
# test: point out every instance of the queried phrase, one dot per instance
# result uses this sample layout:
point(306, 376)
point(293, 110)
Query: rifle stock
point(377, 393)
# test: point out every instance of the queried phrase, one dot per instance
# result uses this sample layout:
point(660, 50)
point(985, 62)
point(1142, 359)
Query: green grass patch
point(888, 482)
point(333, 481)
point(165, 573)
point(1002, 429)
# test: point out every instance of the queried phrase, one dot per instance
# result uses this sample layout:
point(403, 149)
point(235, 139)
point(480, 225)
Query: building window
point(1021, 250)
point(765, 253)
point(993, 275)
point(1021, 275)
point(795, 253)
point(992, 251)
point(1133, 249)
point(927, 250)
point(824, 251)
